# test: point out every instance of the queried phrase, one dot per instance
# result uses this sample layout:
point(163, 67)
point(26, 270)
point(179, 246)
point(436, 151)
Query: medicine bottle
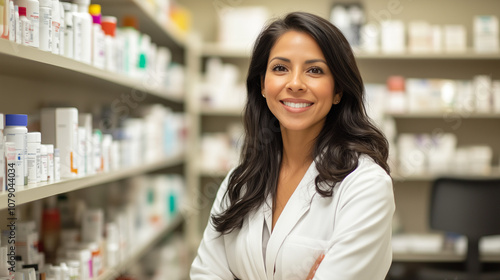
point(16, 131)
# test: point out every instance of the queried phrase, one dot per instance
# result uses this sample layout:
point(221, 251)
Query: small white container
point(32, 13)
point(44, 162)
point(57, 166)
point(50, 163)
point(68, 29)
point(56, 26)
point(16, 131)
point(34, 140)
point(46, 25)
point(25, 25)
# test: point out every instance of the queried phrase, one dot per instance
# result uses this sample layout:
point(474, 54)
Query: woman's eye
point(279, 68)
point(315, 70)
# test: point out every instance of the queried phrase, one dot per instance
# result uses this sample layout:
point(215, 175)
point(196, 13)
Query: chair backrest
point(466, 206)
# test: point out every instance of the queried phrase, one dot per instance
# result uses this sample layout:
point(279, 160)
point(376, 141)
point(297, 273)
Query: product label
point(32, 164)
point(34, 28)
point(26, 35)
point(20, 141)
point(46, 30)
point(55, 27)
point(50, 170)
point(12, 23)
point(44, 168)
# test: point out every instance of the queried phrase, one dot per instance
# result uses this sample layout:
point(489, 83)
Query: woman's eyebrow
point(307, 61)
point(280, 58)
point(315, 60)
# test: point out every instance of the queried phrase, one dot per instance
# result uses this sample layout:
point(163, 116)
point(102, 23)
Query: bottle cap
point(82, 2)
point(45, 3)
point(95, 9)
point(16, 119)
point(108, 24)
point(22, 11)
point(34, 137)
point(67, 6)
point(50, 148)
point(130, 21)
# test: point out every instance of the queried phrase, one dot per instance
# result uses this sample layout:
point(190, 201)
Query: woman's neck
point(297, 149)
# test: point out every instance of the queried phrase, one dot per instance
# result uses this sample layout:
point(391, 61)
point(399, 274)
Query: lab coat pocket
point(299, 255)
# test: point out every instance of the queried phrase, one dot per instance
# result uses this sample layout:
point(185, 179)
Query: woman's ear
point(337, 97)
point(262, 89)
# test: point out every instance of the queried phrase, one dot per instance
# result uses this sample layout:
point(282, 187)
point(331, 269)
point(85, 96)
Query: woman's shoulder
point(368, 172)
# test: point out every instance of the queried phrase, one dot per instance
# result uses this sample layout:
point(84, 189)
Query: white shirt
point(353, 228)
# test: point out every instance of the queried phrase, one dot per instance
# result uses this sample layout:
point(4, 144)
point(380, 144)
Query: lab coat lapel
point(298, 204)
point(256, 220)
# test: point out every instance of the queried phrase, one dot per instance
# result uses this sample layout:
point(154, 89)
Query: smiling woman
point(312, 197)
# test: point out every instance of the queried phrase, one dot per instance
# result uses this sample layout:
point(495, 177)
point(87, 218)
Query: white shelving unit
point(40, 76)
point(226, 112)
point(19, 60)
point(144, 248)
point(43, 190)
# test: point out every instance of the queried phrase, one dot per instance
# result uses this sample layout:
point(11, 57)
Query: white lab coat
point(353, 227)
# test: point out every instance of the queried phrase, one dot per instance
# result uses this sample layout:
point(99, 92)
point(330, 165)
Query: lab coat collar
point(298, 204)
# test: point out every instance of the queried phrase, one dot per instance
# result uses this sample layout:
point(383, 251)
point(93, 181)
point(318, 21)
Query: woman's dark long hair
point(347, 132)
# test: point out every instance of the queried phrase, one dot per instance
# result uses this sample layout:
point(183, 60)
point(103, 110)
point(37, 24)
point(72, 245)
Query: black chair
point(470, 207)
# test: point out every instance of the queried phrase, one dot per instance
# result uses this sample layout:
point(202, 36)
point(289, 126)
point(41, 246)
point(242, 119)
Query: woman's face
point(298, 86)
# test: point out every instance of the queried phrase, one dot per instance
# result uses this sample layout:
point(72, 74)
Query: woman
point(313, 184)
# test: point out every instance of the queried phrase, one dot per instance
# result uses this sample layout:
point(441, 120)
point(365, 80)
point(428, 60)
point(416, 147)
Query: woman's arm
point(211, 261)
point(361, 242)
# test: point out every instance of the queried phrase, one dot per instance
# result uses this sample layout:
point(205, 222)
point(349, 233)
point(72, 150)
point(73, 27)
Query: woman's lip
point(296, 110)
point(295, 100)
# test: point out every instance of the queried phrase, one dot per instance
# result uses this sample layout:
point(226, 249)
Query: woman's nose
point(296, 84)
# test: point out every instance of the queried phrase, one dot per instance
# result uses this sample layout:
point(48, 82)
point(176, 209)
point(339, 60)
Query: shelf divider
point(40, 191)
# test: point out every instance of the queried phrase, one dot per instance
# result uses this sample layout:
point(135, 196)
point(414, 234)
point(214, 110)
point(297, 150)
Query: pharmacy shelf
point(439, 257)
point(444, 115)
point(113, 273)
point(40, 191)
point(162, 32)
point(467, 55)
point(27, 62)
point(427, 177)
point(213, 173)
point(226, 112)
point(214, 49)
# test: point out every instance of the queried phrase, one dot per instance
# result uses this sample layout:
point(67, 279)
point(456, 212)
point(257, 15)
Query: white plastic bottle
point(16, 131)
point(61, 29)
point(18, 25)
point(68, 30)
point(82, 24)
point(97, 37)
point(44, 163)
point(33, 140)
point(56, 25)
point(32, 13)
point(25, 27)
point(108, 24)
point(12, 21)
point(50, 163)
point(57, 165)
point(46, 25)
